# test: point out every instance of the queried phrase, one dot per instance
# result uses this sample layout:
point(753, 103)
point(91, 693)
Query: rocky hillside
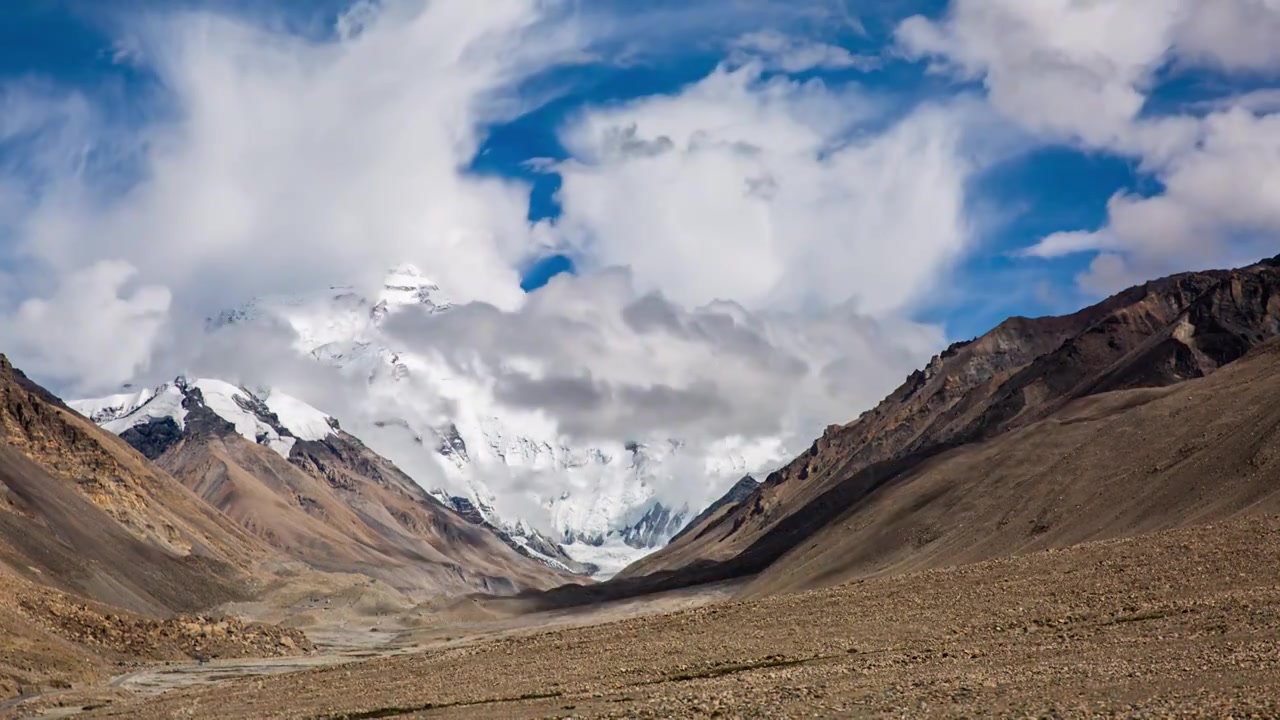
point(105, 558)
point(83, 512)
point(740, 491)
point(1022, 372)
point(1110, 465)
point(50, 640)
point(290, 476)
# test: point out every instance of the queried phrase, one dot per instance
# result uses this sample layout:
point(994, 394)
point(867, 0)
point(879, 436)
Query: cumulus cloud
point(1233, 35)
point(72, 335)
point(273, 162)
point(609, 363)
point(1066, 69)
point(1083, 73)
point(1219, 205)
point(277, 162)
point(770, 192)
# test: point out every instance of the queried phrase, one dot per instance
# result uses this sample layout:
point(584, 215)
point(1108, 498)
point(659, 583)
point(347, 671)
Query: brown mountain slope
point(1116, 464)
point(90, 531)
point(339, 507)
point(740, 491)
point(83, 512)
point(1153, 335)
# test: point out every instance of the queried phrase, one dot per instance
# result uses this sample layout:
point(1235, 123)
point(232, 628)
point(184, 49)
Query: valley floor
point(1178, 622)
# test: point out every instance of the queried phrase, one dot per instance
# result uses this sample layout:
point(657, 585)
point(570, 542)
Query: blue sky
point(1040, 151)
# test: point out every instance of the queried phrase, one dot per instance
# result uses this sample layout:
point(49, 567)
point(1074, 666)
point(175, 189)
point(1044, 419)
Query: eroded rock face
point(83, 512)
point(35, 423)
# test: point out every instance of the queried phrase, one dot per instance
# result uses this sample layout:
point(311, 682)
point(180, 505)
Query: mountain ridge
point(290, 476)
point(85, 513)
point(1158, 334)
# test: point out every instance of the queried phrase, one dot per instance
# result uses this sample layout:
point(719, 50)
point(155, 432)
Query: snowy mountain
point(593, 508)
point(154, 420)
point(160, 415)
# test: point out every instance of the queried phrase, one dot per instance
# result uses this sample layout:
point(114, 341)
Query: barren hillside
point(1156, 335)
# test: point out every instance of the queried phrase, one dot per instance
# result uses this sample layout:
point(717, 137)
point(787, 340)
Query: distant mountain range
point(589, 509)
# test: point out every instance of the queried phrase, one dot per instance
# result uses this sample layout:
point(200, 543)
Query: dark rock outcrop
point(153, 438)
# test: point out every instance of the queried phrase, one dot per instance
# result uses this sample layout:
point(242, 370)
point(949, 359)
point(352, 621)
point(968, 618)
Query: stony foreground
point(1184, 622)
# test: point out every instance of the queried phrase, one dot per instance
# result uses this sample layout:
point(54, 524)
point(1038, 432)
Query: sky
point(774, 209)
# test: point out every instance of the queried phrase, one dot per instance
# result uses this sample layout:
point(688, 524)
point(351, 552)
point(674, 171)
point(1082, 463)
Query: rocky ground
point(1182, 622)
point(182, 637)
point(52, 642)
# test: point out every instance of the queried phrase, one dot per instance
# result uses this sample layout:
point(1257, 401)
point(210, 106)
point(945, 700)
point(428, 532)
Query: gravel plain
point(1183, 622)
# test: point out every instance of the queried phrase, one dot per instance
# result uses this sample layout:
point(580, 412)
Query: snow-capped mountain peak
point(269, 418)
point(406, 285)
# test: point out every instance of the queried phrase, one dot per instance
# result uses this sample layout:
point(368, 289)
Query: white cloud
point(795, 55)
point(608, 363)
point(1071, 70)
point(95, 328)
point(284, 162)
point(769, 192)
point(1230, 35)
point(275, 162)
point(1066, 243)
point(1083, 72)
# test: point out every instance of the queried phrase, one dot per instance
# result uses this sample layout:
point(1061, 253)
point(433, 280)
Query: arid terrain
point(1173, 623)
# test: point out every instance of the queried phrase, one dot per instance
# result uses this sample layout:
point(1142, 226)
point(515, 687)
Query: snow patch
point(111, 407)
point(540, 557)
point(249, 414)
point(300, 419)
point(229, 401)
point(166, 402)
point(407, 285)
point(610, 557)
point(282, 445)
